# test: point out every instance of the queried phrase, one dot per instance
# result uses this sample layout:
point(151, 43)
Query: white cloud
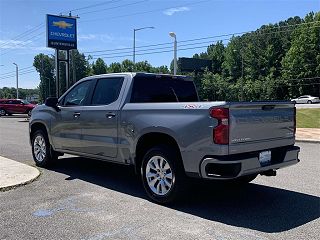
point(172, 11)
point(99, 37)
point(11, 44)
point(32, 46)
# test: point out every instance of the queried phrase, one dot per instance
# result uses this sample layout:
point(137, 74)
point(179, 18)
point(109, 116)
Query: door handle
point(76, 114)
point(110, 115)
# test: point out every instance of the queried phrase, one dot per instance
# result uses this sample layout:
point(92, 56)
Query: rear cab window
point(107, 90)
point(163, 88)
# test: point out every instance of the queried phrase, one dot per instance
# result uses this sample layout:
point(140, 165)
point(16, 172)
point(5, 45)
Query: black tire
point(49, 156)
point(179, 180)
point(309, 102)
point(3, 112)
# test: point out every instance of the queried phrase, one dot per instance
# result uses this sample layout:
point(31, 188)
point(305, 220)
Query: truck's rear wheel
point(162, 174)
point(42, 152)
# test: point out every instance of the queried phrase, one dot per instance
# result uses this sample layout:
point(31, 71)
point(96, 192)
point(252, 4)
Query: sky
point(108, 25)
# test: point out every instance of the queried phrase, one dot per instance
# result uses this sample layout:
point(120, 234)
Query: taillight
point(294, 120)
point(221, 131)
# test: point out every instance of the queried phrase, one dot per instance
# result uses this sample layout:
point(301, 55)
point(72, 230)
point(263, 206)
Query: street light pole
point(172, 34)
point(17, 77)
point(134, 40)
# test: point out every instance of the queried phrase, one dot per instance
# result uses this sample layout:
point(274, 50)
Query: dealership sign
point(61, 32)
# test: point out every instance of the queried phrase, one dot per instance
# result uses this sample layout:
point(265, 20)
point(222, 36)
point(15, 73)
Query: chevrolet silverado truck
point(156, 123)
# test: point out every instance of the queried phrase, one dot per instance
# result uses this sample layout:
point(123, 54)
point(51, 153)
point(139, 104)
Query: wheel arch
point(39, 126)
point(151, 139)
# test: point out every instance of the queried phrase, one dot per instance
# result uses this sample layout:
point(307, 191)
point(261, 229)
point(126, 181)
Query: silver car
point(306, 99)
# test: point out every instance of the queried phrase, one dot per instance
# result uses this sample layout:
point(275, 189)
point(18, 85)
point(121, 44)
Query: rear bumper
point(234, 166)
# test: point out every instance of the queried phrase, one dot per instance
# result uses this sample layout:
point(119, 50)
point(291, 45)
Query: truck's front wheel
point(162, 174)
point(42, 151)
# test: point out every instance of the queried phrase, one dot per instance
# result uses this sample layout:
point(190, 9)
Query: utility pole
point(57, 73)
point(17, 78)
point(74, 75)
point(172, 34)
point(134, 41)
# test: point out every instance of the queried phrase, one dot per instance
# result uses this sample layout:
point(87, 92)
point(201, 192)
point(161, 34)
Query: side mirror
point(52, 102)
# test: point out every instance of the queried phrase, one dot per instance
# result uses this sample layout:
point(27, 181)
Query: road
point(315, 105)
point(86, 199)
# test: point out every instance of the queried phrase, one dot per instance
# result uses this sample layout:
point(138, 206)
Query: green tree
point(143, 66)
point(114, 67)
point(303, 58)
point(44, 65)
point(127, 66)
point(99, 67)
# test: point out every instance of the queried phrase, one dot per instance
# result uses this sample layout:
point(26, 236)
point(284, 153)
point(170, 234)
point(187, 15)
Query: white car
point(306, 99)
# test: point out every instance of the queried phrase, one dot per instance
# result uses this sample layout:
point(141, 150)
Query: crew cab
point(157, 124)
point(15, 106)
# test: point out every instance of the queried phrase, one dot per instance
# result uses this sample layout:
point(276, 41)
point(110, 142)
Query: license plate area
point(265, 158)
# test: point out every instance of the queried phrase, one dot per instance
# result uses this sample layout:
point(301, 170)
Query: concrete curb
point(307, 141)
point(14, 174)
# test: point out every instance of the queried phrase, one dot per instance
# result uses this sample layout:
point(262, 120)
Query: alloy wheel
point(159, 175)
point(39, 148)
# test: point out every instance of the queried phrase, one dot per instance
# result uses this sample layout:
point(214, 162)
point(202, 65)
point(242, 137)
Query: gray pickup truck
point(157, 124)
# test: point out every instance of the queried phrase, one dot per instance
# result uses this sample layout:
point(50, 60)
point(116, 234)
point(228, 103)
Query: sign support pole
point(67, 69)
point(57, 73)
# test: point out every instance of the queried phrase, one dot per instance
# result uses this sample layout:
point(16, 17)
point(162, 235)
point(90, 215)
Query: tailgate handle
point(268, 107)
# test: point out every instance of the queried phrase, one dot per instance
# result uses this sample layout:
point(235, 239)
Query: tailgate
point(263, 125)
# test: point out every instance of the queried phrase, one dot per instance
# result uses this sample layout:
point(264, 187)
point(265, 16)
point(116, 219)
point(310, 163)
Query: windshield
point(25, 102)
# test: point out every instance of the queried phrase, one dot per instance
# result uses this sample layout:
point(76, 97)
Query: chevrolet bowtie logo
point(62, 24)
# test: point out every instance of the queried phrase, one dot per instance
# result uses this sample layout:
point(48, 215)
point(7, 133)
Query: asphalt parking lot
point(85, 199)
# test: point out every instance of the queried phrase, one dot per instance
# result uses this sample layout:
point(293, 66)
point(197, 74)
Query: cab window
point(77, 96)
point(107, 91)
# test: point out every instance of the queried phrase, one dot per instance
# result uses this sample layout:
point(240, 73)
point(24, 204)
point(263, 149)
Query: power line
point(156, 52)
point(198, 39)
point(20, 69)
point(94, 5)
point(169, 47)
point(145, 12)
point(20, 72)
point(23, 73)
point(36, 28)
point(23, 44)
point(179, 45)
point(115, 7)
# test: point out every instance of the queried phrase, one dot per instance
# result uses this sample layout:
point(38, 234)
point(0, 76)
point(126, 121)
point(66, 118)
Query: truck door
point(99, 120)
point(66, 127)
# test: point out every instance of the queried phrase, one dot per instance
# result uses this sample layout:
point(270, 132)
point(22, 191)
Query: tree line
point(11, 93)
point(275, 62)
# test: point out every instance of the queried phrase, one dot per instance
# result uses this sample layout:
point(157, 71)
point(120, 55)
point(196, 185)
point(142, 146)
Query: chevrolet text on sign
point(61, 32)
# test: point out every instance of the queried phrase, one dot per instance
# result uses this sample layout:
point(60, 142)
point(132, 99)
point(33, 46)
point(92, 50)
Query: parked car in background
point(306, 99)
point(15, 106)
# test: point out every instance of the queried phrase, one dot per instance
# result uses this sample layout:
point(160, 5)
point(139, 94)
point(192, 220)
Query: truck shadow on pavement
point(257, 207)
